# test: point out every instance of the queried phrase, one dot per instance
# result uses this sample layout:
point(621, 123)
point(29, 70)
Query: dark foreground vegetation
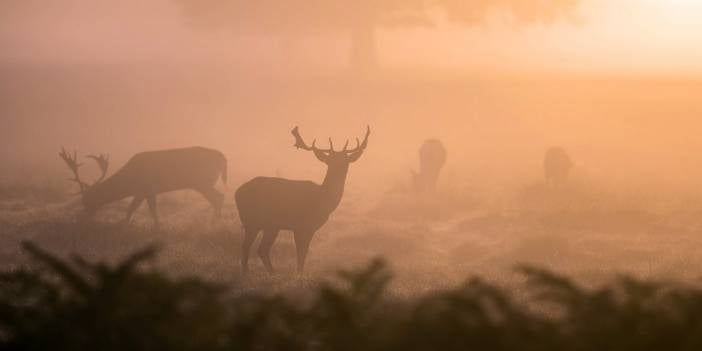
point(72, 304)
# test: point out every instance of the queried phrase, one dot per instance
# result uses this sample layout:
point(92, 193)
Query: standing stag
point(148, 174)
point(557, 165)
point(274, 204)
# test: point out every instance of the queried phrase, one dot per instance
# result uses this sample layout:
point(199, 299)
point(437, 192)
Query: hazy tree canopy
point(309, 15)
point(519, 11)
point(359, 17)
point(300, 15)
point(11, 8)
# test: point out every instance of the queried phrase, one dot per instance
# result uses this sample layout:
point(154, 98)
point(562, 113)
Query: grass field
point(429, 242)
point(632, 206)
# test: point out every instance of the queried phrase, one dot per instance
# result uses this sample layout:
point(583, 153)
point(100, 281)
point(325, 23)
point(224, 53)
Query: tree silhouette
point(359, 18)
point(289, 19)
point(518, 11)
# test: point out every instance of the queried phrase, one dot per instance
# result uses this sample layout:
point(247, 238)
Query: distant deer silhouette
point(432, 157)
point(148, 174)
point(274, 204)
point(557, 165)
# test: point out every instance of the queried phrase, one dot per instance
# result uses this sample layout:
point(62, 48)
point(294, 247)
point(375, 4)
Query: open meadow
point(464, 260)
point(630, 207)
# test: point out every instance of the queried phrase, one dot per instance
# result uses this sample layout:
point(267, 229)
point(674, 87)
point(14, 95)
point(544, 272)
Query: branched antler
point(72, 163)
point(300, 144)
point(359, 146)
point(103, 162)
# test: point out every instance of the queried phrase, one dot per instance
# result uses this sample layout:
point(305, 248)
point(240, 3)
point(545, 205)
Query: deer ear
point(321, 155)
point(354, 156)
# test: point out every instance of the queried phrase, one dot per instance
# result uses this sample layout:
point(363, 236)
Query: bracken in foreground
point(76, 305)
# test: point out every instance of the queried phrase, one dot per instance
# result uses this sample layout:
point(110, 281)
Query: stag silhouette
point(148, 174)
point(274, 204)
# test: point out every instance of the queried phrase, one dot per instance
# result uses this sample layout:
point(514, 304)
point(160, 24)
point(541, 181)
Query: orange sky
point(629, 36)
point(622, 36)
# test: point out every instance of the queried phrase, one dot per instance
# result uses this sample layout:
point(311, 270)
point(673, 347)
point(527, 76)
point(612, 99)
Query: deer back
point(155, 172)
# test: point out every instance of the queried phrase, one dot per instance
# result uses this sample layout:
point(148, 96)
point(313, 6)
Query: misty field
point(459, 272)
point(430, 242)
point(631, 207)
point(631, 210)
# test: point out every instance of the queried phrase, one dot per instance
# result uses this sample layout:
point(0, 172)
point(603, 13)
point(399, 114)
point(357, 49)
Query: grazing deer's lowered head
point(274, 204)
point(88, 195)
point(432, 157)
point(557, 166)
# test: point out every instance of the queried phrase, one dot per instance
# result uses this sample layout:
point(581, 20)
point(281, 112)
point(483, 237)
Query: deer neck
point(333, 187)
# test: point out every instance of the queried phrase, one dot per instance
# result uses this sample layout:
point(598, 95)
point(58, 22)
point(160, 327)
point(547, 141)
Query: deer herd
point(265, 204)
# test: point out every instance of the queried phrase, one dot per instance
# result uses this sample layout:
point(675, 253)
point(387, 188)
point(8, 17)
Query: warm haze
point(637, 36)
point(562, 134)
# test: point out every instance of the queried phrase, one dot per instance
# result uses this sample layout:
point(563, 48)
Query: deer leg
point(264, 249)
point(151, 200)
point(136, 202)
point(249, 237)
point(215, 198)
point(302, 245)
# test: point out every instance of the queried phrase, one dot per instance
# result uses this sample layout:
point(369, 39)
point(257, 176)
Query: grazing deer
point(557, 165)
point(432, 157)
point(274, 204)
point(148, 174)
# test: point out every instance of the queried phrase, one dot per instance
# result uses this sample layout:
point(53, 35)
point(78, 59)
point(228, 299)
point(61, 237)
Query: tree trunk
point(363, 55)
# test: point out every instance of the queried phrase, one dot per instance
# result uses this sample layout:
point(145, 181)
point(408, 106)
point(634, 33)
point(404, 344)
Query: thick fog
point(125, 77)
point(497, 83)
point(530, 177)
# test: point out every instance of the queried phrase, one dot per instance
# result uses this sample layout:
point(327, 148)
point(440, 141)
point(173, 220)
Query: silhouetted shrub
point(75, 305)
point(83, 306)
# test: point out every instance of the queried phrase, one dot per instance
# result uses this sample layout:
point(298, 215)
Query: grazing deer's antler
point(103, 162)
point(72, 163)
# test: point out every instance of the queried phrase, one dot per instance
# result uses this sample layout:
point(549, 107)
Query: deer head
point(330, 156)
point(71, 161)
